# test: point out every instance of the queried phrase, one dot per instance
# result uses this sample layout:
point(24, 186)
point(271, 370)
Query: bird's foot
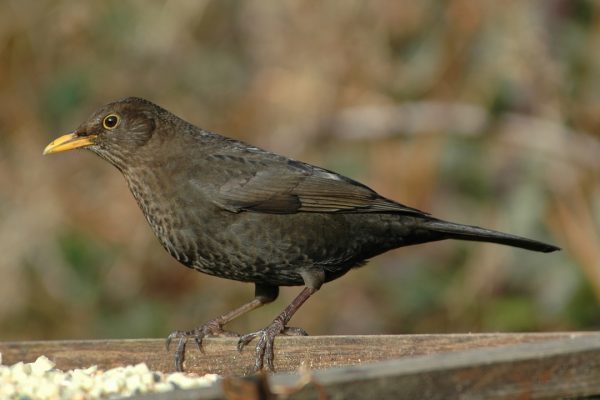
point(212, 328)
point(266, 337)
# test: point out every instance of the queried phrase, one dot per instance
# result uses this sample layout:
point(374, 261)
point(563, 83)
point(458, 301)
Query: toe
point(264, 350)
point(245, 339)
point(294, 331)
point(180, 354)
point(173, 335)
point(269, 354)
point(198, 341)
point(260, 352)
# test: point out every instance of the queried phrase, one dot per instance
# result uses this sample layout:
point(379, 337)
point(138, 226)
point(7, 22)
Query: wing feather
point(297, 187)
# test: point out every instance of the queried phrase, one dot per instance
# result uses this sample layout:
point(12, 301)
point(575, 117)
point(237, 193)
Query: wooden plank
point(546, 370)
point(221, 356)
point(568, 367)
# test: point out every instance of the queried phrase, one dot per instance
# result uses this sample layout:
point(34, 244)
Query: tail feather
point(451, 230)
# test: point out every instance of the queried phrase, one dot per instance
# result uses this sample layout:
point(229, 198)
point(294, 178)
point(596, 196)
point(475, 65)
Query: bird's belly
point(247, 255)
point(258, 247)
point(268, 248)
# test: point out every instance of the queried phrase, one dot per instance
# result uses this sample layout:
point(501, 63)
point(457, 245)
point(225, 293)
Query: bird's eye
point(111, 121)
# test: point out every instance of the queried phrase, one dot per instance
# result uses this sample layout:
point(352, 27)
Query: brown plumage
point(235, 211)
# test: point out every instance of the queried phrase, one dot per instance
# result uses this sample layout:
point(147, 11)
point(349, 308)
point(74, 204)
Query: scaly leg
point(266, 336)
point(263, 294)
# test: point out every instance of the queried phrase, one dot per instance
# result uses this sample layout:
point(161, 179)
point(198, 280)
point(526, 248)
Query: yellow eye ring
point(111, 121)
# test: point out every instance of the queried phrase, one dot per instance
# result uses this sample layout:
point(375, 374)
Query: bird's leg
point(263, 294)
point(266, 336)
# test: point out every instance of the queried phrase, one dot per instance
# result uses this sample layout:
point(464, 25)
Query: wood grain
point(548, 369)
point(220, 355)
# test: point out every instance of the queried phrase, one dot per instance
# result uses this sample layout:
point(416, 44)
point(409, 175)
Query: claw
point(260, 352)
point(198, 342)
point(245, 339)
point(207, 330)
point(180, 354)
point(182, 337)
point(268, 354)
point(264, 350)
point(173, 335)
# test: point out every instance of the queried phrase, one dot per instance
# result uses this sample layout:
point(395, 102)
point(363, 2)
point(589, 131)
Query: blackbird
point(232, 210)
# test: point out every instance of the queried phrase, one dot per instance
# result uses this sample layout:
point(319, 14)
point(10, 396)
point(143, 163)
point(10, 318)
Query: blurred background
point(484, 112)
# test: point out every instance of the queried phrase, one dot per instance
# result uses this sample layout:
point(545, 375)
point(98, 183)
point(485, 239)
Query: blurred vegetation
point(481, 112)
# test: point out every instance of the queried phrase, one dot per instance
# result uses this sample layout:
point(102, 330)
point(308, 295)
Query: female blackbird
point(232, 210)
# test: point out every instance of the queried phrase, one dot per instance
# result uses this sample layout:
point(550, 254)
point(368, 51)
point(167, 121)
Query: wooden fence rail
point(490, 366)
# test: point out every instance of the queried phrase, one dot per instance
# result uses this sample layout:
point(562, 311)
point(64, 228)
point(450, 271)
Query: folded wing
point(297, 187)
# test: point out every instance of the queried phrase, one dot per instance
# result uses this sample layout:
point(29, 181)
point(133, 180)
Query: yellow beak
point(68, 142)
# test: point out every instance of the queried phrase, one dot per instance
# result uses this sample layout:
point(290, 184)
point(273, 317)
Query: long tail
point(450, 230)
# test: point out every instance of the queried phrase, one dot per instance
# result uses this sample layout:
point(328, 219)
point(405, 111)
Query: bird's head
point(116, 131)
